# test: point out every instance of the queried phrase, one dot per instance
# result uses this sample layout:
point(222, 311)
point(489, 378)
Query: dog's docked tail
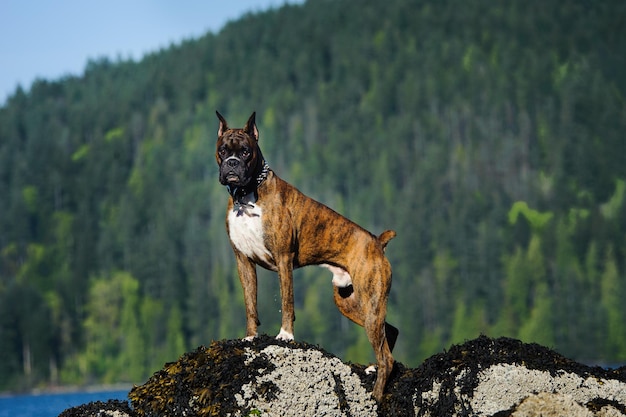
point(385, 237)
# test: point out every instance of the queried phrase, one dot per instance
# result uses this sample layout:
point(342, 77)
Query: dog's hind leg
point(375, 329)
point(348, 306)
point(367, 307)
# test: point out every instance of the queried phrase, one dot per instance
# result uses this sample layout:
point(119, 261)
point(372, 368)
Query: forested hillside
point(489, 135)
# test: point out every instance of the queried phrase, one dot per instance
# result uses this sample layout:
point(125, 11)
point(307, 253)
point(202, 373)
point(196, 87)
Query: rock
point(264, 377)
point(550, 405)
point(111, 408)
point(267, 377)
point(492, 377)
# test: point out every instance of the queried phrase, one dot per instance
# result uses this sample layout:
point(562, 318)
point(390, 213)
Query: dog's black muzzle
point(234, 172)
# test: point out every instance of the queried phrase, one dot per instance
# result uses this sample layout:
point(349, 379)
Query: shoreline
point(68, 389)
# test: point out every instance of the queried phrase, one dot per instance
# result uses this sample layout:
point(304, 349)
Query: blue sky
point(49, 39)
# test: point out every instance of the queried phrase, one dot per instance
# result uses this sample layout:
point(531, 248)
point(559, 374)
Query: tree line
point(488, 135)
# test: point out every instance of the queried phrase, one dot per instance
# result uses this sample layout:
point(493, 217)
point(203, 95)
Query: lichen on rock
point(257, 377)
point(268, 377)
point(305, 383)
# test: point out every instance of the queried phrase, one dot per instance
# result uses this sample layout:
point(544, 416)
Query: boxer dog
point(272, 224)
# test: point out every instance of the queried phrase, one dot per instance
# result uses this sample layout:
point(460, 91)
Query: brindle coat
point(292, 230)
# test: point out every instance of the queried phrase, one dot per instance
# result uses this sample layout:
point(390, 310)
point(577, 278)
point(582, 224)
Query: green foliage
point(124, 337)
point(612, 207)
point(81, 153)
point(613, 291)
point(29, 193)
point(525, 279)
point(539, 327)
point(488, 135)
point(467, 324)
point(536, 219)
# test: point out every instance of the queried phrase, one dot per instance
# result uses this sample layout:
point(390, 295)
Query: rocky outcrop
point(503, 377)
point(266, 377)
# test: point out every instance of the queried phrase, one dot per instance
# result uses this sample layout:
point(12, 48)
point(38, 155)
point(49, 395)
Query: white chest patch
point(246, 233)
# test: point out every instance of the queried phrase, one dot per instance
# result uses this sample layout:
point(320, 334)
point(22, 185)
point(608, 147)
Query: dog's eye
point(222, 152)
point(245, 152)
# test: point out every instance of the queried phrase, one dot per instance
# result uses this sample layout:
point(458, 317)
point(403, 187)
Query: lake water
point(51, 405)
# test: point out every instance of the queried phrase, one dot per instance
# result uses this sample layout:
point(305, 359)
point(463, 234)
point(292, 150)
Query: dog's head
point(238, 154)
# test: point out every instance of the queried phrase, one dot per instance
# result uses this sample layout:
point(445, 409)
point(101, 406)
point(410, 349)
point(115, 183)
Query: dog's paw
point(370, 370)
point(249, 338)
point(284, 335)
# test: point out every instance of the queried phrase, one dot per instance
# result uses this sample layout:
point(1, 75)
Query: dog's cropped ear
point(223, 125)
point(250, 127)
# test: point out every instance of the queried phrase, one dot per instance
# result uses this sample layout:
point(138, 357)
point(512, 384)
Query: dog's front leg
point(285, 276)
point(247, 276)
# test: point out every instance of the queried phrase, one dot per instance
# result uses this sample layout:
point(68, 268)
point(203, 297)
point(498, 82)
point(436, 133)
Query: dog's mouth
point(232, 177)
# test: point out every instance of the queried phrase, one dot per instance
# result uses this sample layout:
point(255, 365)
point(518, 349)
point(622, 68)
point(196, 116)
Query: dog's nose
point(231, 163)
